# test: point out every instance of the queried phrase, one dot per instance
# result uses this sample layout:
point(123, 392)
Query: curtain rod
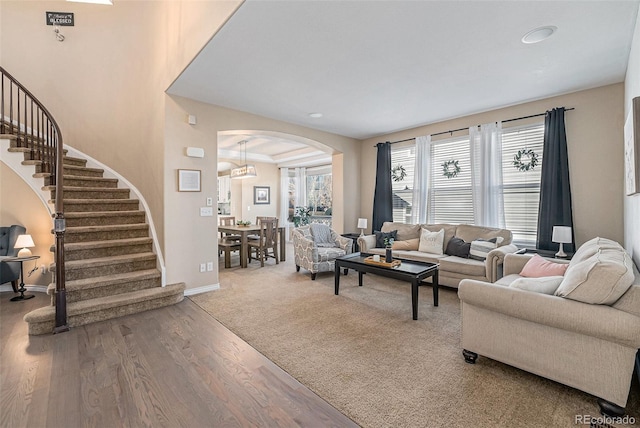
point(463, 129)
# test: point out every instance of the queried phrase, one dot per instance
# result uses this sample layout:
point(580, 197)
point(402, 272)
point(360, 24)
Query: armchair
point(316, 247)
point(10, 272)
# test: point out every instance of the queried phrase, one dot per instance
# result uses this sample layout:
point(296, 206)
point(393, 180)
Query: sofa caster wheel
point(469, 357)
point(297, 268)
point(607, 408)
point(313, 277)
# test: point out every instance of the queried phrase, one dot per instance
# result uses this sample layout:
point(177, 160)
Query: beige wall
point(191, 239)
point(632, 203)
point(595, 146)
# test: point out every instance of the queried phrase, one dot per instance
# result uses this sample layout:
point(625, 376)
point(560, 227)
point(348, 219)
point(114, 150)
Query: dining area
point(265, 239)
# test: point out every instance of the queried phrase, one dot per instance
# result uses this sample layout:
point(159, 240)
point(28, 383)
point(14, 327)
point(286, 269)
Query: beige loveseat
point(452, 268)
point(584, 334)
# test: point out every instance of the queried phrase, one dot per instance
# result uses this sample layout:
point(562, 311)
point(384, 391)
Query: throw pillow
point(408, 245)
point(381, 236)
point(601, 279)
point(480, 248)
point(457, 247)
point(538, 267)
point(431, 242)
point(546, 285)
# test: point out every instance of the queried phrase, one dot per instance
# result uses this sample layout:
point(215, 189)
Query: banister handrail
point(37, 130)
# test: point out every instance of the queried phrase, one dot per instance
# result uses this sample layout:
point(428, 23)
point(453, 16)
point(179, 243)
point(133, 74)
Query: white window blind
point(403, 190)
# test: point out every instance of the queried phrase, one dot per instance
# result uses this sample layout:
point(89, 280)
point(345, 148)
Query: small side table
point(544, 253)
point(354, 236)
point(22, 289)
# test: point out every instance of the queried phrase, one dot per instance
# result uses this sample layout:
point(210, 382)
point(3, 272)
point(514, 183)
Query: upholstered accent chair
point(10, 272)
point(316, 247)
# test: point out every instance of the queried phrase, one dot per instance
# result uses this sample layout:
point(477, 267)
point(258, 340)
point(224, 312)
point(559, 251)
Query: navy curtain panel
point(555, 189)
point(383, 196)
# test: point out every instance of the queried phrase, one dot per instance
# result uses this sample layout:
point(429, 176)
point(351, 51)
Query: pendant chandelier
point(246, 170)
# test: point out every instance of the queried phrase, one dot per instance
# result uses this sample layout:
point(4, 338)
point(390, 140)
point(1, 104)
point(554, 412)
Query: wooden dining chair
point(268, 240)
point(258, 220)
point(228, 242)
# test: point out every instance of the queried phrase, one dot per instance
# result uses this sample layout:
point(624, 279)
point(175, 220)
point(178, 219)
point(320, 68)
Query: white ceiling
point(375, 67)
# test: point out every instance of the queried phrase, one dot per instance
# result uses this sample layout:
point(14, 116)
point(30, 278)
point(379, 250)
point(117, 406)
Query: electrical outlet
point(209, 266)
point(209, 202)
point(203, 267)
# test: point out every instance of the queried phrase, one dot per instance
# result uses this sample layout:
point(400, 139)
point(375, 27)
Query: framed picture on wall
point(632, 149)
point(261, 195)
point(188, 180)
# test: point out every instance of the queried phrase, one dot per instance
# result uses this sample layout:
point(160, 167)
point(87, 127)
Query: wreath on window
point(525, 160)
point(398, 173)
point(450, 168)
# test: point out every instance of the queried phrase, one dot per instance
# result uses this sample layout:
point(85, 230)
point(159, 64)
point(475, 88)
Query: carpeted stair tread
point(105, 228)
point(96, 201)
point(83, 171)
point(111, 243)
point(106, 261)
point(107, 280)
point(42, 320)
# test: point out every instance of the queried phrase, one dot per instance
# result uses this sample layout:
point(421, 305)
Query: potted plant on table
point(301, 216)
point(388, 243)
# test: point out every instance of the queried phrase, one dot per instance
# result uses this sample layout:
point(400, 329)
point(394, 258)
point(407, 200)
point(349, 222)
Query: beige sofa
point(452, 268)
point(585, 334)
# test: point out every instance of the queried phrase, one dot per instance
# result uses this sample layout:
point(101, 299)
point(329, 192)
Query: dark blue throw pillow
point(381, 236)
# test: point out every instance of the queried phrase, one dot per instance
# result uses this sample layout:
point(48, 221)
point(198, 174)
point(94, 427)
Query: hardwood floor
point(169, 367)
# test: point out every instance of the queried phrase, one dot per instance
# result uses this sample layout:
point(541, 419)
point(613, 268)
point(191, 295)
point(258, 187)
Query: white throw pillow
point(544, 285)
point(600, 279)
point(431, 242)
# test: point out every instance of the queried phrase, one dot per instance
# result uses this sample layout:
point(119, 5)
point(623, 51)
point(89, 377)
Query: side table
point(22, 289)
point(354, 236)
point(544, 253)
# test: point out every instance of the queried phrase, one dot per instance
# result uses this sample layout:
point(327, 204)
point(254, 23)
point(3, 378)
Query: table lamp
point(562, 235)
point(362, 225)
point(25, 242)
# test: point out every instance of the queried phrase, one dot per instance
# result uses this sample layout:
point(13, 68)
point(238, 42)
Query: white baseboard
point(203, 289)
point(33, 288)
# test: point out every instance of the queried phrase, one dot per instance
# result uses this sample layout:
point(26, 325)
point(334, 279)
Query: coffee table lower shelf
point(409, 270)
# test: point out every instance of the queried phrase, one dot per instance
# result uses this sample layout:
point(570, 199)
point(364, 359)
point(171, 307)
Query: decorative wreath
point(525, 160)
point(398, 173)
point(450, 168)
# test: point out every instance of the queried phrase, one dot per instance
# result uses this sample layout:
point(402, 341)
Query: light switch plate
point(209, 266)
point(206, 212)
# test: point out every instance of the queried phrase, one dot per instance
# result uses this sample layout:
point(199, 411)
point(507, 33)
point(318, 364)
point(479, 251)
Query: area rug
point(362, 352)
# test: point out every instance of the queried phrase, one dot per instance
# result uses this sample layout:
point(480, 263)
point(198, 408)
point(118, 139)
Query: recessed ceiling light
point(315, 115)
point(539, 34)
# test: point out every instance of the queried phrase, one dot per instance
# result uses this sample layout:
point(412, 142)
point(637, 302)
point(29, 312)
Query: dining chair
point(268, 240)
point(228, 242)
point(258, 220)
point(228, 221)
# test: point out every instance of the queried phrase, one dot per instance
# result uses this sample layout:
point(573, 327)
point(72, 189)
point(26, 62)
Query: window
point(317, 193)
point(451, 199)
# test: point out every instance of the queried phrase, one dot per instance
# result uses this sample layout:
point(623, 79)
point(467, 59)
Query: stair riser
point(85, 172)
point(79, 182)
point(106, 220)
point(108, 290)
point(94, 194)
point(94, 253)
point(76, 207)
point(89, 236)
point(46, 327)
point(112, 269)
point(73, 161)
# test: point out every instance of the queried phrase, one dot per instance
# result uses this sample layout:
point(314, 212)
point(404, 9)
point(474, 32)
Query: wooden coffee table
point(409, 270)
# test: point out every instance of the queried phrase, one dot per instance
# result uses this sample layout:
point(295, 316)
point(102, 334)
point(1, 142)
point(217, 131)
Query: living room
point(149, 149)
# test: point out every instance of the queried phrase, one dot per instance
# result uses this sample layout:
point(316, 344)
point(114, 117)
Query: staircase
point(110, 267)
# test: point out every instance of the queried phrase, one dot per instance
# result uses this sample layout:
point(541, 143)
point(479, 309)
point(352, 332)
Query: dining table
point(244, 232)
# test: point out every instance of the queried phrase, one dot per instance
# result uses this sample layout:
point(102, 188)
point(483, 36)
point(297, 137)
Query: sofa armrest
point(304, 246)
point(601, 321)
point(366, 243)
point(495, 258)
point(345, 243)
point(513, 263)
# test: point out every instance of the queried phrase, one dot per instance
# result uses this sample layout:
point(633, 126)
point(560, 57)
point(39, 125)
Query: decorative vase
point(388, 257)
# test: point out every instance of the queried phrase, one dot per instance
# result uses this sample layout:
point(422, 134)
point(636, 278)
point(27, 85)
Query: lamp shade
point(244, 171)
point(362, 223)
point(561, 234)
point(24, 242)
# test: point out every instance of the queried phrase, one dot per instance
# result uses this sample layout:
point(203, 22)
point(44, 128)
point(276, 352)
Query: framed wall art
point(632, 149)
point(261, 195)
point(188, 180)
